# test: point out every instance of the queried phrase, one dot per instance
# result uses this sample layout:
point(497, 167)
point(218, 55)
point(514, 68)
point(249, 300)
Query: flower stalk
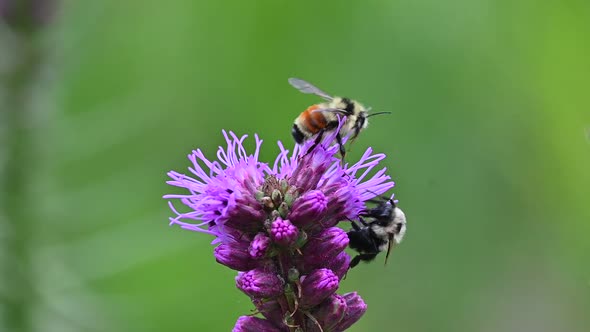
point(23, 60)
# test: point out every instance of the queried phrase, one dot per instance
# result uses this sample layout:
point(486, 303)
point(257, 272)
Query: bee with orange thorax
point(321, 118)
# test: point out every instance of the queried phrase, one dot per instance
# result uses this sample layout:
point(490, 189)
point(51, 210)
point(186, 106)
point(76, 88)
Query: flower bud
point(324, 246)
point(317, 286)
point(283, 184)
point(293, 274)
point(235, 256)
point(309, 208)
point(339, 264)
point(342, 204)
point(290, 197)
point(277, 197)
point(254, 324)
point(259, 245)
point(283, 233)
point(311, 169)
point(317, 162)
point(330, 311)
point(356, 308)
point(271, 310)
point(259, 283)
point(243, 212)
point(267, 203)
point(283, 210)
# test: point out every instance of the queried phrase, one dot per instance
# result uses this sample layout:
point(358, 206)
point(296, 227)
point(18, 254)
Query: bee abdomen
point(297, 134)
point(362, 241)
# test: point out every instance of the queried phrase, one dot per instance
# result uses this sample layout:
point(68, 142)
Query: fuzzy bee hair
point(382, 227)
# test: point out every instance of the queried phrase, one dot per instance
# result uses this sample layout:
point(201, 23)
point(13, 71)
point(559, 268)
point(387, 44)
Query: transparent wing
point(331, 110)
point(306, 87)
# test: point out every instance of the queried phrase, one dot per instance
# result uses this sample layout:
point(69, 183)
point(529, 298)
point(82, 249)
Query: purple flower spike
point(259, 284)
point(325, 246)
point(235, 256)
point(310, 208)
point(283, 233)
point(317, 286)
point(255, 324)
point(259, 245)
point(330, 312)
point(276, 224)
point(356, 309)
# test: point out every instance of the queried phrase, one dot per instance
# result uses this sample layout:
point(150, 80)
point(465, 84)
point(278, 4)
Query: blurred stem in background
point(21, 62)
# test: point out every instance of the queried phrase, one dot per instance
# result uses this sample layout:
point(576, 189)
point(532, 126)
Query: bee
point(385, 229)
point(321, 118)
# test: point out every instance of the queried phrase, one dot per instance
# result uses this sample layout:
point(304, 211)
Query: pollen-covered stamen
point(283, 233)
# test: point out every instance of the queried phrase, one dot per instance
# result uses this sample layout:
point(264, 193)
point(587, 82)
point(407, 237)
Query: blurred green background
point(488, 145)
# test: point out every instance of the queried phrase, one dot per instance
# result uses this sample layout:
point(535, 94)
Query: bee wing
point(331, 110)
point(306, 87)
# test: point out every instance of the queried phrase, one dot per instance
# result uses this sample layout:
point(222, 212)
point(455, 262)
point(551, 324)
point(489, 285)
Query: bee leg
point(354, 262)
point(341, 146)
point(361, 257)
point(317, 141)
point(355, 226)
point(363, 221)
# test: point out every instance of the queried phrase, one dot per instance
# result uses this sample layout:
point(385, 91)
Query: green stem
point(17, 152)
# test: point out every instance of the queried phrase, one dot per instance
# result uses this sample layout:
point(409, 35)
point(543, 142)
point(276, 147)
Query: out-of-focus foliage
point(487, 144)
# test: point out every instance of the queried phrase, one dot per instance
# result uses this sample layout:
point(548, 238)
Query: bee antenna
point(377, 195)
point(372, 192)
point(378, 113)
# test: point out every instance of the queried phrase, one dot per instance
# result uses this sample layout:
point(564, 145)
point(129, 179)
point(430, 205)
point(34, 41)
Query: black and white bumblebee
point(383, 227)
